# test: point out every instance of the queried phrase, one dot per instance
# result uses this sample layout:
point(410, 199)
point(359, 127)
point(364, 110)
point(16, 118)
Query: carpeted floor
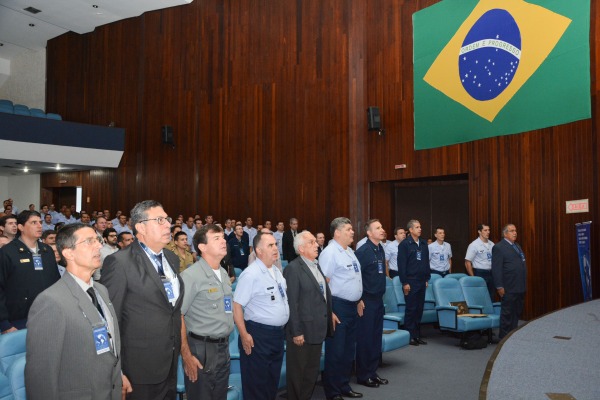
point(439, 370)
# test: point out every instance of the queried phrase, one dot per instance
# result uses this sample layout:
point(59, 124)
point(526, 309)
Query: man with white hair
point(310, 321)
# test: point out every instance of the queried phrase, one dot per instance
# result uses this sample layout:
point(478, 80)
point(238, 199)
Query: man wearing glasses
point(147, 292)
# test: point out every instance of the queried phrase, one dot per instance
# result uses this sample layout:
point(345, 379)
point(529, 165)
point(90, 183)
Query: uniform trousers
point(415, 300)
point(261, 369)
point(339, 349)
point(486, 274)
point(302, 369)
point(369, 332)
point(510, 311)
point(213, 379)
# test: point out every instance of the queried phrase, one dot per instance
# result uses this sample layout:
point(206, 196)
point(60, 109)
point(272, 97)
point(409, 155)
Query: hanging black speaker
point(373, 119)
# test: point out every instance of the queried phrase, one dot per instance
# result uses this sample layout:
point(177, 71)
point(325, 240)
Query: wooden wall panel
point(268, 105)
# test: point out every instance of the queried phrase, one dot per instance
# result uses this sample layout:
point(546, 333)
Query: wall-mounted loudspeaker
point(167, 135)
point(373, 118)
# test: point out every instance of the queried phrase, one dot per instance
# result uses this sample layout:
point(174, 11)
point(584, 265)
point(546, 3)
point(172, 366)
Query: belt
point(209, 339)
point(264, 326)
point(352, 302)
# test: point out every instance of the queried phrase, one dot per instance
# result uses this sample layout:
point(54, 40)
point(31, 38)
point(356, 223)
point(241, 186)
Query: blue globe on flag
point(490, 55)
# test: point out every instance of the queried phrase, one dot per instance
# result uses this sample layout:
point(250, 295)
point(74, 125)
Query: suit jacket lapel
point(143, 260)
point(308, 272)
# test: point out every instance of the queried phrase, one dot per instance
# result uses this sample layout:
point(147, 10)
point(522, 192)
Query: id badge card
point(380, 266)
point(489, 256)
point(441, 257)
point(37, 262)
point(228, 305)
point(169, 290)
point(281, 292)
point(241, 251)
point(101, 340)
point(355, 265)
point(419, 255)
point(322, 288)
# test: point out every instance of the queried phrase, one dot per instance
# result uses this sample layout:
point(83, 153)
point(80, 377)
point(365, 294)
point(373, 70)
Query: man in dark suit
point(73, 342)
point(309, 298)
point(510, 277)
point(147, 292)
point(289, 253)
point(320, 242)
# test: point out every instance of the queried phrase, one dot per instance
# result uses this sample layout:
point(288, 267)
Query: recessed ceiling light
point(1, 44)
point(58, 167)
point(32, 25)
point(25, 169)
point(95, 6)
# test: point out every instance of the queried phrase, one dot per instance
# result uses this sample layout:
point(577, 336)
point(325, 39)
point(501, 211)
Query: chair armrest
point(430, 302)
point(447, 316)
point(497, 307)
point(450, 308)
point(475, 309)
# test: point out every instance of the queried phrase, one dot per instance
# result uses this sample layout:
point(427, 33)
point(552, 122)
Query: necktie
point(158, 259)
point(92, 294)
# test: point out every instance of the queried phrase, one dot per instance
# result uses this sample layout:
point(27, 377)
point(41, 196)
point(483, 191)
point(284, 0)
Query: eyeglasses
point(90, 241)
point(159, 220)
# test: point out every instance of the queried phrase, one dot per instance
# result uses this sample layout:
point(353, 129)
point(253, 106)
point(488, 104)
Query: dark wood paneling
point(268, 104)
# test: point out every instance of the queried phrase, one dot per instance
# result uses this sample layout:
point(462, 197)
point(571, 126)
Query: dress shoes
point(381, 381)
point(421, 341)
point(336, 397)
point(372, 383)
point(414, 342)
point(352, 394)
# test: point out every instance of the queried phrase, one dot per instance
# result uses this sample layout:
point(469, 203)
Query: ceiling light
point(58, 167)
point(95, 6)
point(25, 169)
point(32, 10)
point(32, 25)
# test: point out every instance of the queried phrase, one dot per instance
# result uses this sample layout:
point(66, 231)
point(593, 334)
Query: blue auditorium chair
point(478, 298)
point(6, 102)
point(36, 112)
point(447, 291)
point(12, 346)
point(394, 340)
point(5, 391)
point(180, 379)
point(235, 386)
point(429, 311)
point(20, 109)
point(54, 116)
point(456, 276)
point(16, 378)
point(394, 308)
point(234, 351)
point(7, 108)
point(284, 264)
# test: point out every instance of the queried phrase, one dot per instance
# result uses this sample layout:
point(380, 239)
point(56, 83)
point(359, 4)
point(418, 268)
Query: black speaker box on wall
point(374, 120)
point(167, 135)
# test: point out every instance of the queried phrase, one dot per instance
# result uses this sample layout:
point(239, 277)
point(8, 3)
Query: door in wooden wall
point(443, 203)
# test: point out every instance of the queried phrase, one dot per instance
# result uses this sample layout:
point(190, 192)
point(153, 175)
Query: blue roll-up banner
point(583, 248)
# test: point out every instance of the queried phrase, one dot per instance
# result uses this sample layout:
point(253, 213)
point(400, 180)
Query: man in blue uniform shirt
point(413, 269)
point(341, 267)
point(260, 311)
point(370, 326)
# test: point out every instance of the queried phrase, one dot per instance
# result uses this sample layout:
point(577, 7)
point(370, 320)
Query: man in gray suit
point(73, 343)
point(310, 317)
point(147, 292)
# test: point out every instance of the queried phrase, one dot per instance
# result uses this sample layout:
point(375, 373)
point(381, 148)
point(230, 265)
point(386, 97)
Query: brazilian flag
point(489, 68)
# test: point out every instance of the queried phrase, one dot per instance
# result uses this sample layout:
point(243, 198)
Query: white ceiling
point(17, 35)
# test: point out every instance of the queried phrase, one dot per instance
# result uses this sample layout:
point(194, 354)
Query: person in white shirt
point(391, 252)
point(478, 260)
point(440, 254)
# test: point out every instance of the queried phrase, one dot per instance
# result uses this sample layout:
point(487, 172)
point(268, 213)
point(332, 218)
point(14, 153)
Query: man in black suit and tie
point(310, 320)
point(320, 242)
point(510, 277)
point(289, 253)
point(147, 292)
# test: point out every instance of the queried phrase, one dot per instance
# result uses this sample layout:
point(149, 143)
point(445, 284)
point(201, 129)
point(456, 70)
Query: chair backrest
point(446, 291)
point(21, 109)
point(399, 293)
point(430, 301)
point(476, 293)
point(16, 378)
point(36, 112)
point(434, 277)
point(238, 272)
point(54, 116)
point(389, 297)
point(456, 276)
point(6, 102)
point(284, 264)
point(12, 346)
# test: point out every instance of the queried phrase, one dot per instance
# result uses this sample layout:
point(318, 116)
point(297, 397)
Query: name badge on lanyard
point(355, 265)
point(419, 255)
point(37, 262)
point(169, 289)
point(380, 266)
point(322, 288)
point(441, 257)
point(228, 305)
point(241, 251)
point(101, 340)
point(281, 292)
point(489, 256)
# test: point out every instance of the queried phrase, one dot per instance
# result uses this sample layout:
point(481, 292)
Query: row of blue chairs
point(437, 309)
point(12, 365)
point(7, 106)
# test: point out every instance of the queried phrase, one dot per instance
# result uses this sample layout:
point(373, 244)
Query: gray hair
point(293, 220)
point(411, 223)
point(338, 224)
point(505, 228)
point(300, 240)
point(140, 212)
